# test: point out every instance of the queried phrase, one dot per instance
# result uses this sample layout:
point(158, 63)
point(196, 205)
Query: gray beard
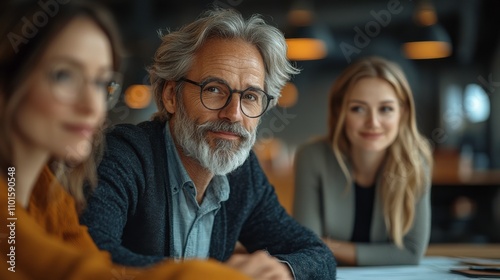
point(226, 156)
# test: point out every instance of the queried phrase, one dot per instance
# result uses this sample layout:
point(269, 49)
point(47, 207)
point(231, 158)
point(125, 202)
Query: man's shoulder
point(142, 129)
point(123, 140)
point(144, 132)
point(248, 178)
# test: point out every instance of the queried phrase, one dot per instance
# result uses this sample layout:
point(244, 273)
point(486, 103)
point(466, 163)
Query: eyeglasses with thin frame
point(216, 94)
point(67, 82)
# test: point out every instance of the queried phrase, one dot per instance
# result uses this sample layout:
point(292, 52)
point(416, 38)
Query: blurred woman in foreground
point(58, 73)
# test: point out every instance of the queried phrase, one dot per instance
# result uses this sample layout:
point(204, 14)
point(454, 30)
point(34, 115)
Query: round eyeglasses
point(67, 82)
point(215, 94)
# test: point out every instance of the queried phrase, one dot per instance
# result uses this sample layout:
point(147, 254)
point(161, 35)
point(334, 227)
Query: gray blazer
point(324, 204)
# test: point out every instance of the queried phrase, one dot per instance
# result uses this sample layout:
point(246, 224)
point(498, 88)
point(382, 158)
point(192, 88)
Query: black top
point(363, 212)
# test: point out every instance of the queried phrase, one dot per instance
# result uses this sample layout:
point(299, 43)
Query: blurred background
point(454, 73)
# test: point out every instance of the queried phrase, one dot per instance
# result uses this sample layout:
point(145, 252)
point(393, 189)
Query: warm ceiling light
point(425, 14)
point(428, 42)
point(426, 17)
point(305, 49)
point(138, 96)
point(426, 50)
point(301, 17)
point(289, 95)
point(426, 38)
point(301, 13)
point(305, 39)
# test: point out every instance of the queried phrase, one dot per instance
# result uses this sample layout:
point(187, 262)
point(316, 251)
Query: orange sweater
point(54, 210)
point(47, 242)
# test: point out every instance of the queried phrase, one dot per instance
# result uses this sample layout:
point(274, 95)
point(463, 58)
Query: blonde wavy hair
point(408, 161)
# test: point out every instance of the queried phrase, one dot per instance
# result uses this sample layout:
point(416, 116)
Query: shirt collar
point(218, 188)
point(178, 175)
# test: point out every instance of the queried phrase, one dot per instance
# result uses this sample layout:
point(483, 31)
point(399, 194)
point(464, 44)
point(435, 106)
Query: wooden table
point(490, 251)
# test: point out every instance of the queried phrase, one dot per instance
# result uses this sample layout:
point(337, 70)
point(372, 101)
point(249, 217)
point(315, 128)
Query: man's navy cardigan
point(129, 214)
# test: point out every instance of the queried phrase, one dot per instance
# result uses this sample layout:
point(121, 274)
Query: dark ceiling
point(473, 25)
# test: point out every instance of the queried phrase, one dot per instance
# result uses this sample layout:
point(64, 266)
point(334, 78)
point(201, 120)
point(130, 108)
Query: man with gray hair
point(186, 184)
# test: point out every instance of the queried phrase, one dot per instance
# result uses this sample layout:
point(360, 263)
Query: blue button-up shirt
point(192, 223)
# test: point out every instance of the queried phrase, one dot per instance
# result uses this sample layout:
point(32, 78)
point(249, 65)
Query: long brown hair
point(26, 29)
point(406, 171)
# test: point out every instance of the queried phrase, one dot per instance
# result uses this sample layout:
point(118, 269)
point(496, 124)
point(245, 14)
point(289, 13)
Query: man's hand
point(260, 265)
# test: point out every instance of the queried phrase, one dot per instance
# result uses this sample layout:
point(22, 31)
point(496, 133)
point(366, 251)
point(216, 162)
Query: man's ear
point(168, 97)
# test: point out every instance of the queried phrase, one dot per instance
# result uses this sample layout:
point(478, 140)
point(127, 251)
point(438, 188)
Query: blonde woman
point(58, 73)
point(364, 188)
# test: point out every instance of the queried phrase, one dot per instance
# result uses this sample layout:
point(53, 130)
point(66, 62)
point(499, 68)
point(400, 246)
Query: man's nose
point(232, 112)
